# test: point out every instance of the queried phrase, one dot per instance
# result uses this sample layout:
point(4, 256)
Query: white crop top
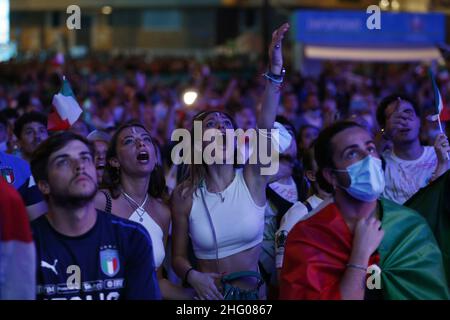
point(238, 221)
point(156, 234)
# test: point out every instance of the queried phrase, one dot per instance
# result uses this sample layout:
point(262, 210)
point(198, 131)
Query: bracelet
point(186, 275)
point(356, 266)
point(275, 78)
point(271, 78)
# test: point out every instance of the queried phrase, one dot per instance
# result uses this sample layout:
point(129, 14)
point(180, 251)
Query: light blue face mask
point(367, 179)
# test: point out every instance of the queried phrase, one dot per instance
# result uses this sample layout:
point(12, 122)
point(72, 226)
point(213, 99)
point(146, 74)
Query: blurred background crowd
point(165, 93)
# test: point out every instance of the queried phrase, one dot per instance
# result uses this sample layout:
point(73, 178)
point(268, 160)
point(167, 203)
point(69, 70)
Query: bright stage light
point(189, 97)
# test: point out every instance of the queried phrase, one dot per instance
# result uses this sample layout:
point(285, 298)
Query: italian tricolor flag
point(66, 109)
point(442, 112)
point(110, 265)
point(8, 175)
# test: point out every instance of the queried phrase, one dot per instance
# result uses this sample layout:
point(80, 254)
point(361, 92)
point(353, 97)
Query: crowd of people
point(111, 216)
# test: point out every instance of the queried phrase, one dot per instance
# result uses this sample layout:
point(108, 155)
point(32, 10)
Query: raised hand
point(275, 49)
point(442, 148)
point(367, 238)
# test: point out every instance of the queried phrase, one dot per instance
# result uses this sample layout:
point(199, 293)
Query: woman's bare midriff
point(243, 261)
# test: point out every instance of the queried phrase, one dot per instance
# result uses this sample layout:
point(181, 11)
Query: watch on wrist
point(277, 76)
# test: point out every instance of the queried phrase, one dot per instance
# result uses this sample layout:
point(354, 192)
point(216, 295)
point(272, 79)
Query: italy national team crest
point(109, 261)
point(8, 175)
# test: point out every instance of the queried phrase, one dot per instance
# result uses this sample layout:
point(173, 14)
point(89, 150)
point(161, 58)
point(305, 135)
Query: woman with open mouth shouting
point(135, 191)
point(221, 208)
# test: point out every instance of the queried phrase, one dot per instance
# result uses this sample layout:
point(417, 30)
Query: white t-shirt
point(287, 191)
point(405, 177)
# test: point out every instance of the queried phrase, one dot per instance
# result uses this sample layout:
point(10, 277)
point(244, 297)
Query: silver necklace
point(220, 193)
point(139, 207)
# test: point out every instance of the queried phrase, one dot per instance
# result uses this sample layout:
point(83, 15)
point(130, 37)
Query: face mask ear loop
point(339, 186)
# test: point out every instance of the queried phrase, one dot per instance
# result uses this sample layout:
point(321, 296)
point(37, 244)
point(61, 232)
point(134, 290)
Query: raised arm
point(256, 182)
point(271, 96)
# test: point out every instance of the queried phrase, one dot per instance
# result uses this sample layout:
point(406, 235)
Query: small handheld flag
point(438, 106)
point(441, 113)
point(66, 109)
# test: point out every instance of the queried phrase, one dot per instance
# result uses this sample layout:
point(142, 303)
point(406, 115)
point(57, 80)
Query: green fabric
point(433, 203)
point(231, 292)
point(410, 259)
point(66, 90)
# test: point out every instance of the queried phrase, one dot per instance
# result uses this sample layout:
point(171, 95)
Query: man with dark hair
point(12, 145)
point(409, 165)
point(84, 253)
point(30, 129)
point(386, 101)
point(329, 254)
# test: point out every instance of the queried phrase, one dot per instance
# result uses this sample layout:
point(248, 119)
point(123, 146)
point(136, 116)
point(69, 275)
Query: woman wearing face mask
point(136, 191)
point(339, 251)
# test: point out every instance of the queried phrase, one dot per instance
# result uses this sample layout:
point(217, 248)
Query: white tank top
point(156, 234)
point(238, 220)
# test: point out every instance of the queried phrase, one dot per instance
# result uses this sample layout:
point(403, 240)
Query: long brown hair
point(196, 173)
point(156, 187)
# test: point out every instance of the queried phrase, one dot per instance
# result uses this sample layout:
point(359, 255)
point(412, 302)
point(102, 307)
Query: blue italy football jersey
point(113, 260)
point(14, 170)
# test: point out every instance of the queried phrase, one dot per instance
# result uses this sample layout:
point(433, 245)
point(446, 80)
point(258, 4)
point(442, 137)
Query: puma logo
point(45, 264)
